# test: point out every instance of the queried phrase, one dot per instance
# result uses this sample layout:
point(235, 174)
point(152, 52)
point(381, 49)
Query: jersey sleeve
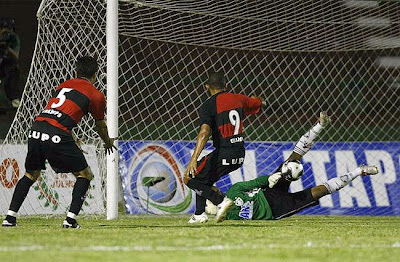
point(245, 186)
point(206, 116)
point(97, 106)
point(251, 105)
point(260, 182)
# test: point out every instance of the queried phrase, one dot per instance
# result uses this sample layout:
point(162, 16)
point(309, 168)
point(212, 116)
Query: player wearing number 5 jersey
point(51, 139)
point(222, 117)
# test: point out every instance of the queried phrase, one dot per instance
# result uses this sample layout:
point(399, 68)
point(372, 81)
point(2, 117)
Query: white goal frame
point(112, 107)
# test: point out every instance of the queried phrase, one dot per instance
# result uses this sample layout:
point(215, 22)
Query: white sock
point(71, 215)
point(11, 213)
point(337, 183)
point(307, 140)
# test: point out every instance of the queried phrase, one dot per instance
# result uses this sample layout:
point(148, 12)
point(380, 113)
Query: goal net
point(301, 56)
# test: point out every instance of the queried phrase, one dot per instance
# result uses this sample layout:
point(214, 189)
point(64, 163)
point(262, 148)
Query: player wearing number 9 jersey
point(222, 117)
point(51, 139)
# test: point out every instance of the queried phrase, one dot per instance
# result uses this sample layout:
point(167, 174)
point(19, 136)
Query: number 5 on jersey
point(61, 96)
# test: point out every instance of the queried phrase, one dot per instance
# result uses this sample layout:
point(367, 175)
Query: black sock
point(200, 205)
point(204, 191)
point(20, 193)
point(79, 194)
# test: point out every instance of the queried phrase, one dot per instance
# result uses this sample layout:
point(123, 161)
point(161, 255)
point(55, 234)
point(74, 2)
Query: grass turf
point(155, 238)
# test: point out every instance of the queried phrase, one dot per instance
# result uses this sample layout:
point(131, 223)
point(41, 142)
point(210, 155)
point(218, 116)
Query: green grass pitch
point(170, 238)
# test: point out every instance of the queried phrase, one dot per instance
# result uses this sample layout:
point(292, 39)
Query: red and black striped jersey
point(224, 113)
point(72, 100)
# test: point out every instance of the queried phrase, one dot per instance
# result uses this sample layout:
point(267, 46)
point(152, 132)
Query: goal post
point(112, 107)
point(301, 56)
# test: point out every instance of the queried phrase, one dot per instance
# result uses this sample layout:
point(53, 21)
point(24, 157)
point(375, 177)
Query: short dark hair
point(86, 66)
point(7, 22)
point(216, 80)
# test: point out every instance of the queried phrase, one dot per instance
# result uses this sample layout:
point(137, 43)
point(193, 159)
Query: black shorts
point(218, 163)
point(284, 204)
point(58, 147)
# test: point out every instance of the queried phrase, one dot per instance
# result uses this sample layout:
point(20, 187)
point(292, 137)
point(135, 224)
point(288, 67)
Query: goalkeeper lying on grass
point(267, 197)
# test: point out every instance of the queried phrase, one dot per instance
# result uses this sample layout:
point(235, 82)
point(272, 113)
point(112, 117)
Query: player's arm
point(259, 182)
point(101, 128)
point(252, 105)
point(97, 109)
point(263, 103)
point(78, 142)
point(202, 138)
point(13, 52)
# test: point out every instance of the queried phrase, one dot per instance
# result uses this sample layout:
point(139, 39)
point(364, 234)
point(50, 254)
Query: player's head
point(87, 67)
point(216, 81)
point(7, 24)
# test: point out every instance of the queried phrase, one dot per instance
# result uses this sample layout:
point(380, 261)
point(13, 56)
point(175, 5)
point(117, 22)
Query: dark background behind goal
point(24, 13)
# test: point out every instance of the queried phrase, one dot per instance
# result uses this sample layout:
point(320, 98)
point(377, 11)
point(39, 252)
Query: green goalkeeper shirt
point(249, 200)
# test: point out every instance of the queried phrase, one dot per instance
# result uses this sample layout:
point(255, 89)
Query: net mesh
point(301, 56)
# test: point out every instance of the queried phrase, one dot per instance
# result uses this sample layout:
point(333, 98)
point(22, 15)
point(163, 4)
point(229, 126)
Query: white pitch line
point(309, 244)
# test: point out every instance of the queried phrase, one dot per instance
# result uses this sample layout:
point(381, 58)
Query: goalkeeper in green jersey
point(267, 197)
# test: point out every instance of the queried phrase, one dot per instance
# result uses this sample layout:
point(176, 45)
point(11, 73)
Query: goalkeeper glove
point(273, 179)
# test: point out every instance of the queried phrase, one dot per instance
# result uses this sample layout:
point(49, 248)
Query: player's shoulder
point(233, 99)
point(83, 86)
point(232, 95)
point(208, 102)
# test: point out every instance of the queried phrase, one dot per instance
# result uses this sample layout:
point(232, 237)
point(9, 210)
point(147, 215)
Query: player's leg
point(291, 203)
point(19, 195)
point(66, 157)
point(284, 204)
point(199, 216)
point(212, 209)
point(226, 162)
point(34, 162)
point(79, 191)
point(199, 185)
point(202, 185)
point(337, 183)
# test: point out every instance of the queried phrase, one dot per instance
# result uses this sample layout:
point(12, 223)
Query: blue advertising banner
point(152, 175)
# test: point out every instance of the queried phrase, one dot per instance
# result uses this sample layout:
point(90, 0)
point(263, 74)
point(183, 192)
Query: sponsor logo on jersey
point(236, 140)
point(233, 161)
point(246, 211)
point(44, 137)
point(52, 112)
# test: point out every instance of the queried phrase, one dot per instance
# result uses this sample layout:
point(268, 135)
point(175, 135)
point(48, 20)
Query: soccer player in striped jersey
point(51, 139)
point(267, 197)
point(222, 117)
